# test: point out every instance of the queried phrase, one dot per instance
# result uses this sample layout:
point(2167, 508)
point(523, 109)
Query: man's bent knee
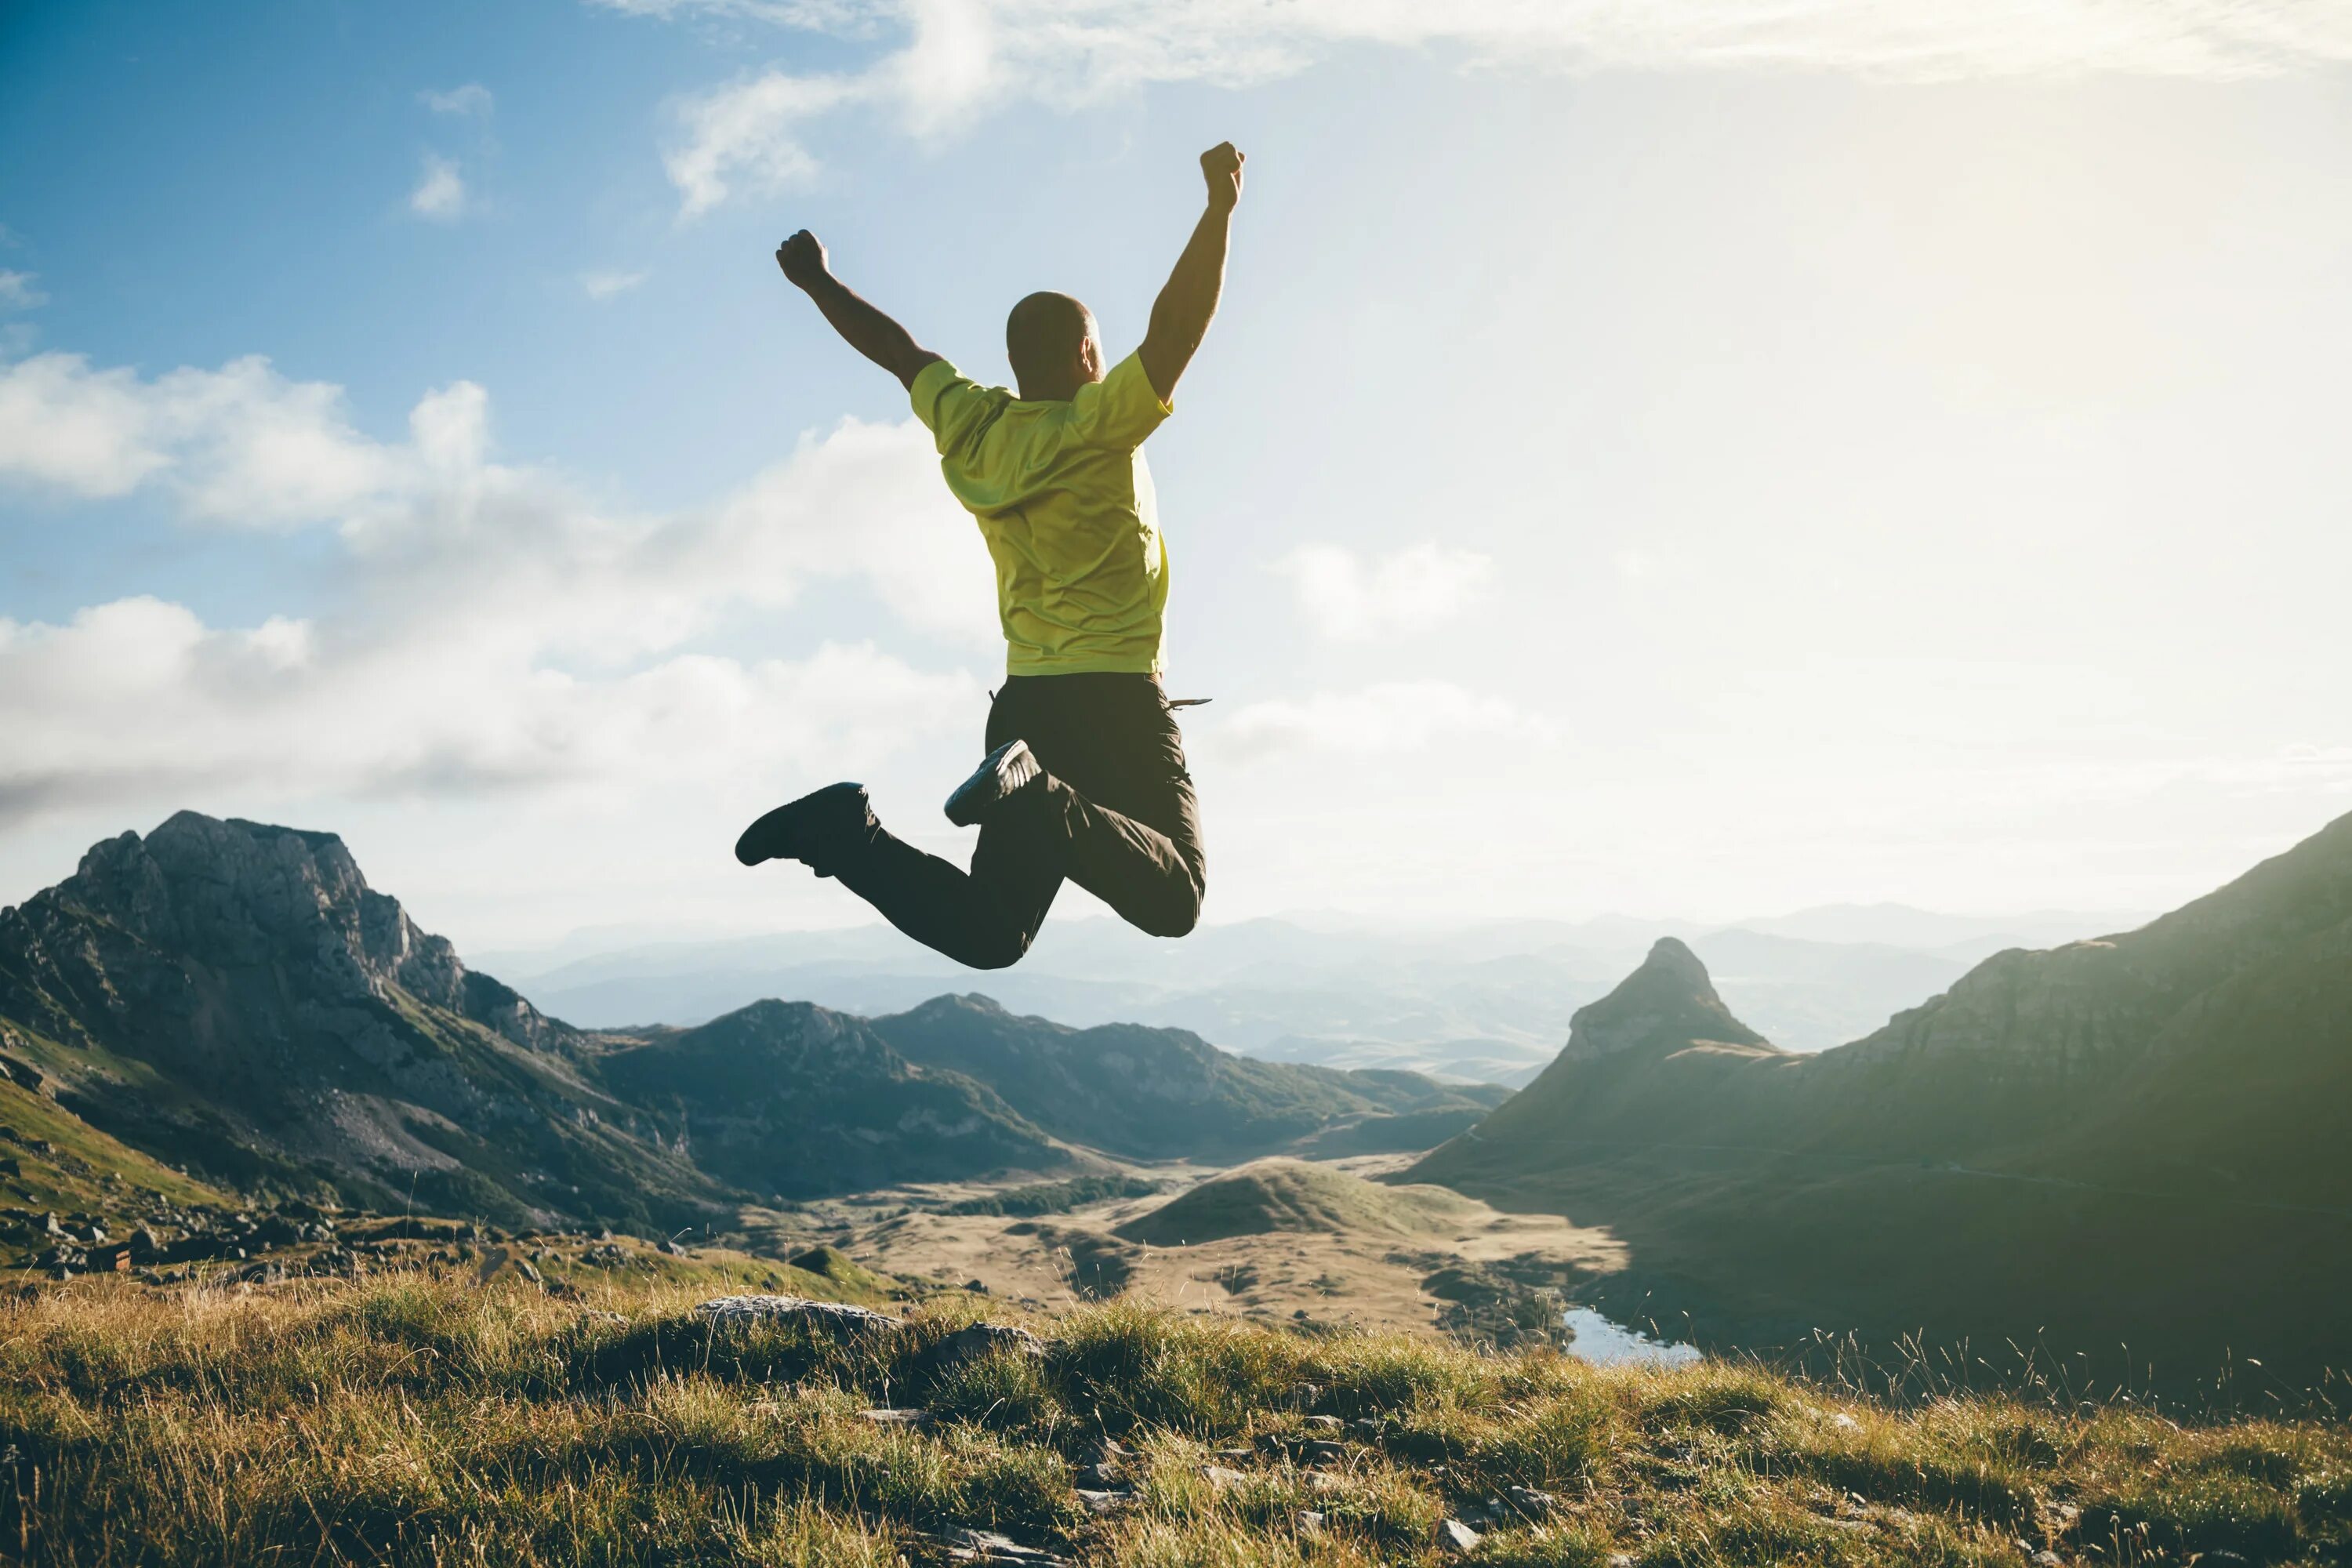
point(996, 951)
point(1174, 917)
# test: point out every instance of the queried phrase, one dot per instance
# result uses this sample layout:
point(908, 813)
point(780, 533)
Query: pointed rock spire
point(1665, 1004)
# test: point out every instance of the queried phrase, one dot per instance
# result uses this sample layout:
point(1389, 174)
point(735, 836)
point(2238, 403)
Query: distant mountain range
point(1488, 1002)
point(233, 1000)
point(2141, 1137)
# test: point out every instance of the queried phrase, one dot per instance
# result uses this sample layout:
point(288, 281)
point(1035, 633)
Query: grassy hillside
point(417, 1420)
point(1292, 1196)
point(51, 1159)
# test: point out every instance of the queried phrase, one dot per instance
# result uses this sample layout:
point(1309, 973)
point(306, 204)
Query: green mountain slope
point(1148, 1093)
point(792, 1098)
point(2141, 1137)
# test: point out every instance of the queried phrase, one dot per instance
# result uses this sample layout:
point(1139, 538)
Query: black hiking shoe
point(1006, 770)
point(805, 829)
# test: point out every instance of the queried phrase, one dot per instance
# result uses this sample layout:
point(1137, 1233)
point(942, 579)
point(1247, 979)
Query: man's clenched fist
point(1222, 165)
point(802, 257)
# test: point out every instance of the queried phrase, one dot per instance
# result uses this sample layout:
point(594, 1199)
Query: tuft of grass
point(424, 1420)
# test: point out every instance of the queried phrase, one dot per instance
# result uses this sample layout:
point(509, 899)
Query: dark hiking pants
point(1115, 813)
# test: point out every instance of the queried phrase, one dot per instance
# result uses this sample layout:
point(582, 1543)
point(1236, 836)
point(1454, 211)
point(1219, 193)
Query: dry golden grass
point(422, 1420)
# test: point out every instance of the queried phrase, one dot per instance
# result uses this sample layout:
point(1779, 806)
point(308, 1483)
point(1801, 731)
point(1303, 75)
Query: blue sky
point(1706, 460)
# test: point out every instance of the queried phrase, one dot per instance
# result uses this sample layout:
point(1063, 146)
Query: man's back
point(1084, 779)
point(1063, 498)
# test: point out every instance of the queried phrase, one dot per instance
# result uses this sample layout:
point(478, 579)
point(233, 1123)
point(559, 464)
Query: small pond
point(1596, 1338)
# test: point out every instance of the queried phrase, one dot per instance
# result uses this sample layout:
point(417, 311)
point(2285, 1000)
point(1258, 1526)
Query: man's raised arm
point(1180, 317)
point(861, 326)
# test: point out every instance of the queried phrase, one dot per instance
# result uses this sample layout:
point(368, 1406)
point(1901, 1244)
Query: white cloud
point(494, 627)
point(749, 133)
point(465, 102)
point(604, 285)
point(17, 293)
point(65, 426)
point(139, 698)
point(440, 193)
point(962, 57)
point(1387, 719)
point(240, 446)
point(1349, 599)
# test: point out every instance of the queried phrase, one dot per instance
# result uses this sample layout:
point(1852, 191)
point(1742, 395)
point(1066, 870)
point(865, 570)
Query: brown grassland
point(421, 1418)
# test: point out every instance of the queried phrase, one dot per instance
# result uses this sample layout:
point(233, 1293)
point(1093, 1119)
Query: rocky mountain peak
point(240, 895)
point(1663, 1006)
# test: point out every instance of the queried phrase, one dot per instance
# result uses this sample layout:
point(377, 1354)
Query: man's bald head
point(1054, 346)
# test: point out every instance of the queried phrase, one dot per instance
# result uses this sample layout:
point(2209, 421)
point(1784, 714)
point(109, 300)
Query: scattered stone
point(1107, 1500)
point(1452, 1535)
point(1223, 1476)
point(987, 1546)
point(1620, 1560)
point(2047, 1558)
point(145, 1243)
point(1845, 1422)
point(1109, 1463)
point(1325, 1453)
point(888, 1416)
point(976, 1286)
point(675, 1250)
point(1532, 1503)
point(836, 1316)
point(974, 1340)
point(1311, 1520)
point(524, 1268)
point(1324, 1424)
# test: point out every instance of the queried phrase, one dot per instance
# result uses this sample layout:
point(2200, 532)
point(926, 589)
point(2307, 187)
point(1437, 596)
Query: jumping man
point(1084, 775)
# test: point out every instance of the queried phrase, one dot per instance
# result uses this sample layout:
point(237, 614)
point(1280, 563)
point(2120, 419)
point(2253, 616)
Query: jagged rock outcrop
point(287, 1023)
point(283, 916)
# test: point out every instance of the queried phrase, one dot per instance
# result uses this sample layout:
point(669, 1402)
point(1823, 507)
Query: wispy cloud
point(440, 194)
point(465, 102)
point(956, 60)
point(604, 285)
point(1350, 599)
point(17, 293)
point(572, 629)
point(1385, 719)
